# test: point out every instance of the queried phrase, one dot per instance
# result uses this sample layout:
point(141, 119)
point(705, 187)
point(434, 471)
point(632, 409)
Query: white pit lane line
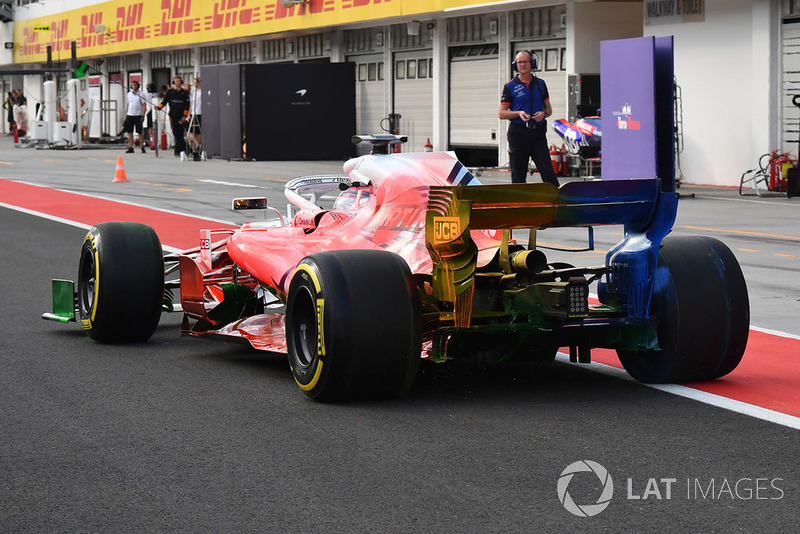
point(696, 394)
point(701, 396)
point(222, 182)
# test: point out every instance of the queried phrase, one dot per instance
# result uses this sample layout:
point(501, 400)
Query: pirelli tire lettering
point(88, 302)
point(307, 338)
point(353, 325)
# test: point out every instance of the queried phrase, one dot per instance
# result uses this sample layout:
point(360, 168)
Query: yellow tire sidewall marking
point(320, 326)
point(87, 323)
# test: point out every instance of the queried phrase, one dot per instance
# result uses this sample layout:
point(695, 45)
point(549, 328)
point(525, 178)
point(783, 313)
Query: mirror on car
point(249, 203)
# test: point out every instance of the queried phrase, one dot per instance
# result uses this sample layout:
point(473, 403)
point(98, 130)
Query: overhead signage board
point(674, 11)
point(134, 25)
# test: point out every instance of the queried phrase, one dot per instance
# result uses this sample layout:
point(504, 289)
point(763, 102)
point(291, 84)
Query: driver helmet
point(347, 198)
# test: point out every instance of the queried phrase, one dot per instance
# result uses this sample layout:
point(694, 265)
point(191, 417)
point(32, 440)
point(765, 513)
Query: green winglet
point(63, 302)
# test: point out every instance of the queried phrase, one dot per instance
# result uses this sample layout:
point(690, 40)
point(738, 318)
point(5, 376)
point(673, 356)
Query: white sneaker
point(183, 156)
point(203, 155)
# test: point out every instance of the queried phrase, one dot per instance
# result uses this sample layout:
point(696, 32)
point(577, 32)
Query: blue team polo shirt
point(523, 97)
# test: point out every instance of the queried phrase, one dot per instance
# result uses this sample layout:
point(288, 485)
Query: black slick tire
point(353, 325)
point(120, 282)
point(702, 311)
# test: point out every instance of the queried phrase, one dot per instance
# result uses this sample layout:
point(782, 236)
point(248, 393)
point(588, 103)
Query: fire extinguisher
point(163, 140)
point(555, 158)
point(428, 145)
point(777, 163)
point(564, 166)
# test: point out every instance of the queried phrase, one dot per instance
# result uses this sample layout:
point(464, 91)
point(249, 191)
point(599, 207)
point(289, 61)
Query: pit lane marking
point(744, 232)
point(6, 163)
point(712, 399)
point(776, 254)
point(174, 188)
point(223, 182)
point(751, 201)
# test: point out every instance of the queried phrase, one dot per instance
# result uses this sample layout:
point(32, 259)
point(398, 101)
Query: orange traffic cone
point(119, 174)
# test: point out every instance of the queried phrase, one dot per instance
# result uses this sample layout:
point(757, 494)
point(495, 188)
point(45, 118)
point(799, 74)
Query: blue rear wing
point(636, 82)
point(637, 87)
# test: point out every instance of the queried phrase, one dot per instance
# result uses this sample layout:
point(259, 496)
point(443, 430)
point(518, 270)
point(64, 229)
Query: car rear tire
point(353, 325)
point(702, 310)
point(120, 282)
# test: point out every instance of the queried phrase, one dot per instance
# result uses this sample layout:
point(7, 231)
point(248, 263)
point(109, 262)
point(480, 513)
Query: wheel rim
point(86, 281)
point(304, 331)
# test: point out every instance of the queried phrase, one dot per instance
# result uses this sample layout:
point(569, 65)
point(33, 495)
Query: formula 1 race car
point(584, 135)
point(415, 260)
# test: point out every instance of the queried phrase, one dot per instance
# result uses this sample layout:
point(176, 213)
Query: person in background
point(9, 102)
point(195, 130)
point(21, 113)
point(149, 98)
point(134, 116)
point(177, 98)
point(526, 104)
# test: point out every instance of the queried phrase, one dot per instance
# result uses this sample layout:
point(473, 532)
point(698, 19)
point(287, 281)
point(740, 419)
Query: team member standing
point(195, 124)
point(134, 116)
point(149, 97)
point(21, 113)
point(9, 105)
point(526, 104)
point(178, 100)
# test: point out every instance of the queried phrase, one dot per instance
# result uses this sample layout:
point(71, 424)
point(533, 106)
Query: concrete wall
point(6, 36)
point(727, 68)
point(590, 23)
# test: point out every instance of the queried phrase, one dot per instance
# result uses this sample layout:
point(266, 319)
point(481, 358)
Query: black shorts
point(195, 125)
point(132, 122)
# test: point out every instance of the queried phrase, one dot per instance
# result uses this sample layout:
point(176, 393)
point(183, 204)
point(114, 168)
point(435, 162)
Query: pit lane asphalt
point(190, 435)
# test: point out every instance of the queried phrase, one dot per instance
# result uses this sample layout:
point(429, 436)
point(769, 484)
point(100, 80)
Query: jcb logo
point(446, 229)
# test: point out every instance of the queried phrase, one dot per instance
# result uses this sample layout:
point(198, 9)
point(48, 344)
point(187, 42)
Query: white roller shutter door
point(474, 101)
point(370, 95)
point(413, 97)
point(791, 86)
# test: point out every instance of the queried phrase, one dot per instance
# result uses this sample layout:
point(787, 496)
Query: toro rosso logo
point(446, 229)
point(625, 119)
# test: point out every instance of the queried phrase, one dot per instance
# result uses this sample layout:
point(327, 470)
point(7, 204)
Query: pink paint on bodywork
point(391, 219)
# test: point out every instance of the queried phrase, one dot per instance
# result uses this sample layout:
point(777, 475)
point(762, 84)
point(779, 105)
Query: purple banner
point(627, 86)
